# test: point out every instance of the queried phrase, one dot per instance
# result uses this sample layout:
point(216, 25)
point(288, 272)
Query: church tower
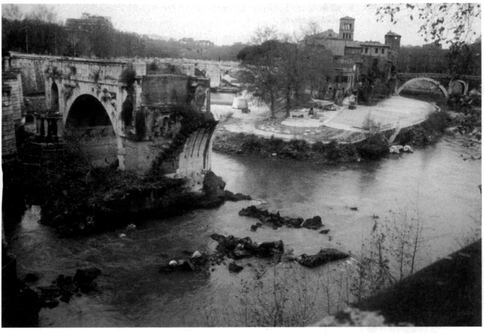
point(393, 40)
point(346, 28)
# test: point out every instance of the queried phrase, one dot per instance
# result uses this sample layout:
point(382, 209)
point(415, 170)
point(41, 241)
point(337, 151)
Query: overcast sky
point(227, 22)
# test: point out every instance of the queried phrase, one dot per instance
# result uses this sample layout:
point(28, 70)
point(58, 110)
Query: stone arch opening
point(458, 87)
point(54, 97)
point(88, 125)
point(426, 79)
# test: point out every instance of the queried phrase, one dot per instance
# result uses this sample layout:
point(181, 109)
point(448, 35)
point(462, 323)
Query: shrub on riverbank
point(374, 147)
point(427, 132)
point(301, 150)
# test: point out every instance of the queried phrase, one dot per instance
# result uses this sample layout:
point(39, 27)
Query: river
point(434, 182)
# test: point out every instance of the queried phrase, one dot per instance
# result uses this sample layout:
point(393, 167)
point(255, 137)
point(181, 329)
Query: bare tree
point(311, 28)
point(265, 34)
point(43, 13)
point(12, 12)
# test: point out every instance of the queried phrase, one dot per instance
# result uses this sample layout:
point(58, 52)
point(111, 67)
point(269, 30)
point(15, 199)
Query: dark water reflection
point(435, 181)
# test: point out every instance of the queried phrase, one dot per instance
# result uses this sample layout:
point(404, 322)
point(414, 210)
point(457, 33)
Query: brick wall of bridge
point(214, 69)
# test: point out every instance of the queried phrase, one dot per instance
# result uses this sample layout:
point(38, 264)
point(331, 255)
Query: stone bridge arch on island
point(458, 86)
point(408, 83)
point(124, 116)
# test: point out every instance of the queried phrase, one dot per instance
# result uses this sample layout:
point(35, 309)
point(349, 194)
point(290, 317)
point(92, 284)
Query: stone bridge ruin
point(122, 114)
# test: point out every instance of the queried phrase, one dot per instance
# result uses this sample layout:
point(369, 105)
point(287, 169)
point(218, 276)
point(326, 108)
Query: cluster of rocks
point(228, 247)
point(63, 288)
point(197, 262)
point(238, 248)
point(277, 221)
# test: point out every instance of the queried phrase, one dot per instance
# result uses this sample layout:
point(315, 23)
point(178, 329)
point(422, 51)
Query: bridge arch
point(54, 99)
point(89, 124)
point(409, 82)
point(464, 85)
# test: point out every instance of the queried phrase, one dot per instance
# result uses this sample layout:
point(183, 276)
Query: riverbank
point(445, 293)
point(342, 124)
point(374, 146)
point(342, 136)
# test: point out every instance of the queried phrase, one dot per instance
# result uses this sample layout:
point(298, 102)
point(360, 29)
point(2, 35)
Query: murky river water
point(435, 181)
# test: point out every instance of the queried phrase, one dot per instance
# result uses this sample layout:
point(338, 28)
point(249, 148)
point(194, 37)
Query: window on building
point(382, 51)
point(376, 50)
point(366, 50)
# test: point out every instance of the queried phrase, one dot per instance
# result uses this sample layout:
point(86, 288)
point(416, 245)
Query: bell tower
point(346, 28)
point(393, 40)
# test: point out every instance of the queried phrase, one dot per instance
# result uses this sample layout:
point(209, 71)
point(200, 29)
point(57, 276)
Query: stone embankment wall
point(12, 105)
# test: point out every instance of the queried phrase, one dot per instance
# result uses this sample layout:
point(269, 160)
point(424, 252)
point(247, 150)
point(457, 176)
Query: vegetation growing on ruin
point(190, 121)
point(77, 198)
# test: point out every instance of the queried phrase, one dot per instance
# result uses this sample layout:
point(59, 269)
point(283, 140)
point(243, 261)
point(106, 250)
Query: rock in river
point(234, 268)
point(314, 223)
point(276, 220)
point(322, 257)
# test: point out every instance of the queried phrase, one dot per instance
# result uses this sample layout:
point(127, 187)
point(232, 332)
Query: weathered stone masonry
point(122, 115)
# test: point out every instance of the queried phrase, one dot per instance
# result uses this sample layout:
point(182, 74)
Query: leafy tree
point(452, 23)
point(462, 59)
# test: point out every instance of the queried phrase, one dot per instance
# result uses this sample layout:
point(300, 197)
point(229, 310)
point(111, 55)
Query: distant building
point(354, 60)
point(196, 43)
point(205, 43)
point(80, 33)
point(88, 23)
